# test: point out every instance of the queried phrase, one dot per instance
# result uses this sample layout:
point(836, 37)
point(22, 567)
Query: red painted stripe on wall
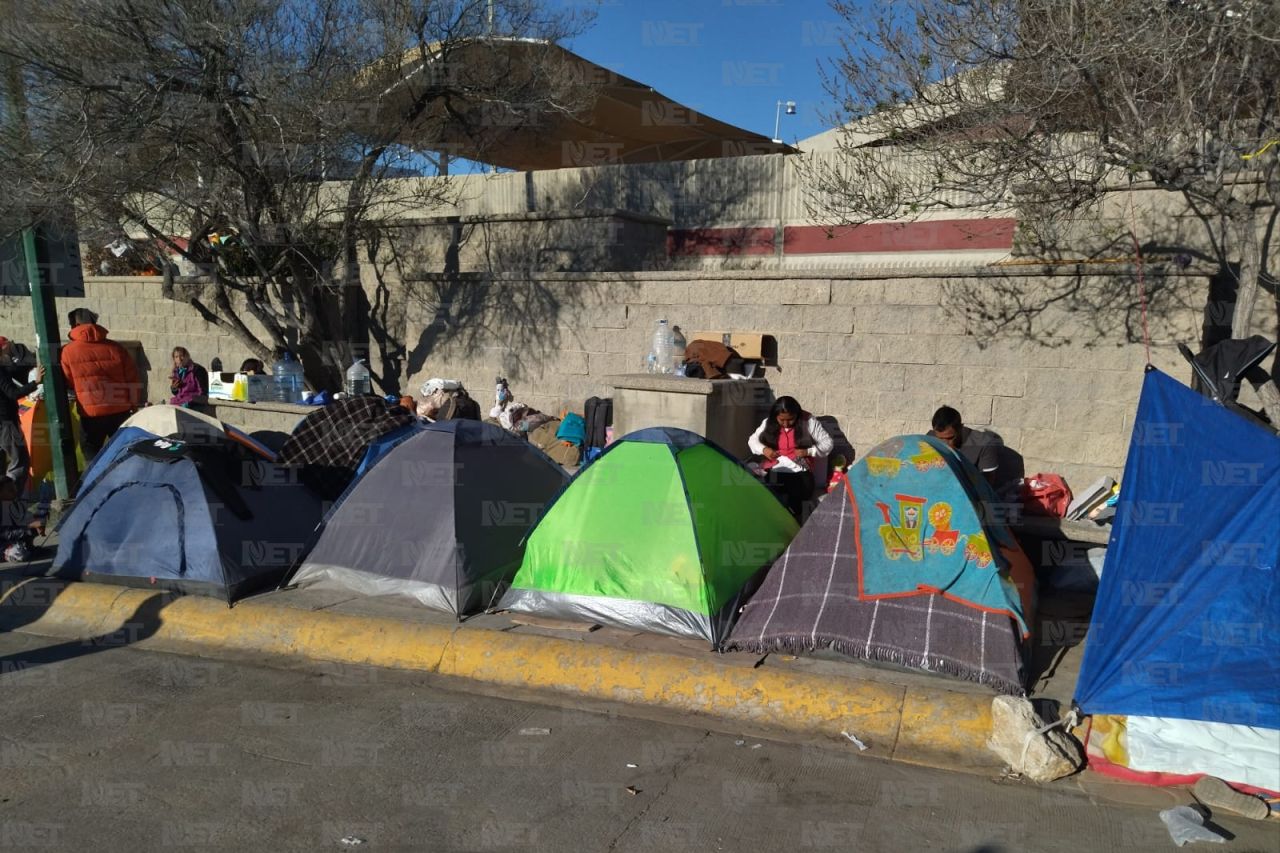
point(938, 235)
point(720, 241)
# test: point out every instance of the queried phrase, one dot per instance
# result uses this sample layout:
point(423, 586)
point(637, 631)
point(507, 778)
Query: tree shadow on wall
point(510, 314)
point(493, 291)
point(1077, 284)
point(690, 195)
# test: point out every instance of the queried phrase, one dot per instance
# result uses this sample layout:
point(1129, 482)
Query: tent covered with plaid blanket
point(902, 565)
point(330, 443)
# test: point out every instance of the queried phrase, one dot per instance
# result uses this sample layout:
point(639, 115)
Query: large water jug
point(288, 379)
point(358, 382)
point(662, 347)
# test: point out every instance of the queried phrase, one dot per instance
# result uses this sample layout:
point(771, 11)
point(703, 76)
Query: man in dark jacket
point(16, 360)
point(16, 458)
point(980, 447)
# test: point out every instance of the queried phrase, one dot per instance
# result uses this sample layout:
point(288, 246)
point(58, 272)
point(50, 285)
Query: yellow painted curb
point(924, 726)
point(941, 727)
point(774, 698)
point(64, 611)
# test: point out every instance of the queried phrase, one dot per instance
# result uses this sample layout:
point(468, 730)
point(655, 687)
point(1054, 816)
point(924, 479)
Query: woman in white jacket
point(787, 443)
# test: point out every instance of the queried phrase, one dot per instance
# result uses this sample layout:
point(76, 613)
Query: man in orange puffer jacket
point(104, 378)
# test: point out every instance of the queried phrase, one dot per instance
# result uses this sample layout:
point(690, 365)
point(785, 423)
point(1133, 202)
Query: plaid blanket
point(330, 443)
point(809, 600)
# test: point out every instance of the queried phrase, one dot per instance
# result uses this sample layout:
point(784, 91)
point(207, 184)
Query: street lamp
point(777, 117)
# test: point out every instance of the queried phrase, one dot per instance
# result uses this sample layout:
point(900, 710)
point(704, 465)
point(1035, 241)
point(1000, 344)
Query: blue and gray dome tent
point(206, 519)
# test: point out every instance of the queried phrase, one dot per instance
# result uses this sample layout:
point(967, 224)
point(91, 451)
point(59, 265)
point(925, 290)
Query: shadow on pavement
point(23, 600)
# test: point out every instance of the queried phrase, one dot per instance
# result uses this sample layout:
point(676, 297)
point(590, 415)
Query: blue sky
point(730, 59)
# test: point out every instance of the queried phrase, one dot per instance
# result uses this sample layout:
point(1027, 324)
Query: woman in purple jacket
point(189, 382)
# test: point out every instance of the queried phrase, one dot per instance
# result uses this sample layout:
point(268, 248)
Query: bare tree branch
point(263, 141)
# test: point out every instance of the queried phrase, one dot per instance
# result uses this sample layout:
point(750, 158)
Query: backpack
point(573, 429)
point(599, 417)
point(459, 406)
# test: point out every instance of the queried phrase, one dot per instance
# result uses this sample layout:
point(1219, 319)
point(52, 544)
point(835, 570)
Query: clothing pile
point(446, 400)
point(515, 417)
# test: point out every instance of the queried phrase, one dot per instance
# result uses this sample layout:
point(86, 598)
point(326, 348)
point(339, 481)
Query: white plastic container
point(662, 346)
point(359, 382)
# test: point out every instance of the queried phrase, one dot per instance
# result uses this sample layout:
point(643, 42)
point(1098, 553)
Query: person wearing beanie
point(102, 375)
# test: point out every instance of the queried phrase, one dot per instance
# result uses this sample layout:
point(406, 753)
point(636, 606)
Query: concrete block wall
point(255, 417)
point(878, 351)
point(131, 308)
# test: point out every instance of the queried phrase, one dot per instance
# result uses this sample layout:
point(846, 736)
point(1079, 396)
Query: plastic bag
point(1186, 826)
point(434, 384)
point(31, 420)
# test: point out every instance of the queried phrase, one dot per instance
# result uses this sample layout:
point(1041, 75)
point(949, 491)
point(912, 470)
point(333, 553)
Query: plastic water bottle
point(288, 379)
point(359, 381)
point(662, 347)
point(677, 351)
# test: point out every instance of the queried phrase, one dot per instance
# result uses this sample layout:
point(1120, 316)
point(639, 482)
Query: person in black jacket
point(16, 360)
point(16, 458)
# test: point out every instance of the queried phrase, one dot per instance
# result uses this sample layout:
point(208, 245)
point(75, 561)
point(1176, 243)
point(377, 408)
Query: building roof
point(940, 105)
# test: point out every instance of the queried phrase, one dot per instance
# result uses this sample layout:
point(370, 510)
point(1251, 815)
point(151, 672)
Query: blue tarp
point(1187, 619)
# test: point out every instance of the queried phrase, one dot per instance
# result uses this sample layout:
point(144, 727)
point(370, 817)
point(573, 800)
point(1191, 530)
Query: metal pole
point(780, 229)
point(49, 345)
point(45, 318)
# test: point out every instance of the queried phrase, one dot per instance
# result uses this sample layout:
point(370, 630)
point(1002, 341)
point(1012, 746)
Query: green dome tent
point(665, 532)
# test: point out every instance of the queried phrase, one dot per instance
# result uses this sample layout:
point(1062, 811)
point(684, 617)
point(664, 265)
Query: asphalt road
point(114, 748)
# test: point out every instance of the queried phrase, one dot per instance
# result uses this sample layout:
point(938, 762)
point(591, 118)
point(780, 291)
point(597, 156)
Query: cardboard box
point(752, 346)
point(222, 387)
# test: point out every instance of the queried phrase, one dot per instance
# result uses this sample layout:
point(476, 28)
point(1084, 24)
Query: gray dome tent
point(439, 518)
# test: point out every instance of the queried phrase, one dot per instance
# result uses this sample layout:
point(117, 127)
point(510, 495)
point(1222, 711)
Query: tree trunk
point(1247, 235)
point(1269, 395)
point(1250, 239)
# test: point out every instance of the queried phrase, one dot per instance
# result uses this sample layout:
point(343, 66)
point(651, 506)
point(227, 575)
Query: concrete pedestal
point(726, 411)
point(254, 417)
